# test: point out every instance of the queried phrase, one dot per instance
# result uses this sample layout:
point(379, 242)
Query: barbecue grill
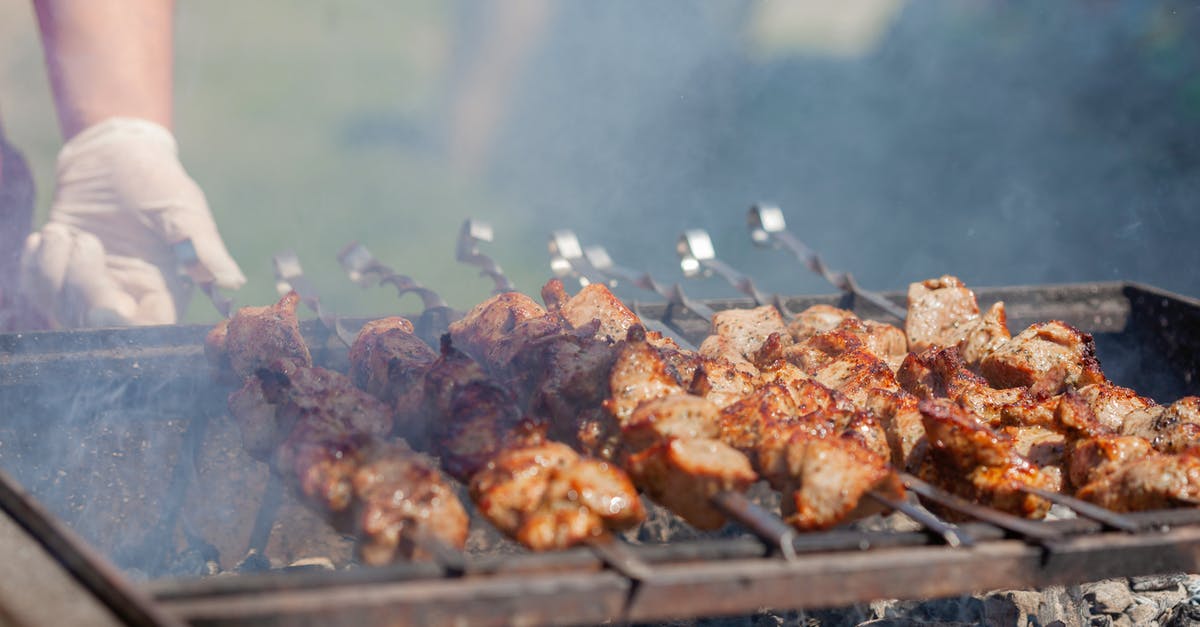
point(149, 394)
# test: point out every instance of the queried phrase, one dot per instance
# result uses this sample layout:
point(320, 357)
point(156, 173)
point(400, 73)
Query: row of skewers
point(556, 416)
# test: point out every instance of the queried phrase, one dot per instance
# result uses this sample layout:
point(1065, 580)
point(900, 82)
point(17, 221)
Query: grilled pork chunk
point(971, 460)
point(548, 497)
point(1152, 482)
point(817, 319)
point(1171, 429)
point(940, 312)
point(258, 337)
point(324, 437)
point(941, 373)
point(390, 362)
point(1047, 358)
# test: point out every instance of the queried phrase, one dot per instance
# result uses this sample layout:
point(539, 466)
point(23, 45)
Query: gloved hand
point(105, 257)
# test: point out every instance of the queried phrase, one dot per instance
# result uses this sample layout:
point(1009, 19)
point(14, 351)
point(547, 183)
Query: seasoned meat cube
point(680, 416)
point(723, 349)
point(969, 459)
point(1111, 403)
point(1092, 458)
point(547, 497)
point(828, 480)
point(571, 381)
point(389, 361)
point(596, 302)
point(940, 313)
point(261, 337)
point(403, 502)
point(1042, 446)
point(746, 329)
point(1048, 358)
point(941, 373)
point(639, 374)
point(490, 321)
point(901, 420)
point(857, 374)
point(684, 474)
point(721, 382)
point(887, 342)
point(1152, 482)
point(1171, 429)
point(323, 401)
point(818, 350)
point(984, 335)
point(477, 417)
point(742, 424)
point(320, 464)
point(817, 319)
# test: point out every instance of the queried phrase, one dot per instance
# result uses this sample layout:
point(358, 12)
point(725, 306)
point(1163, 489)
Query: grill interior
point(123, 435)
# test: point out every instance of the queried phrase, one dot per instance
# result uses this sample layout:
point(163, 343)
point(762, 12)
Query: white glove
point(105, 257)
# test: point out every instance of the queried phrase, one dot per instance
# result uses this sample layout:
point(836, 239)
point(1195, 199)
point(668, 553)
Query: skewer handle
point(473, 232)
point(193, 271)
point(950, 534)
point(768, 228)
point(697, 257)
point(362, 267)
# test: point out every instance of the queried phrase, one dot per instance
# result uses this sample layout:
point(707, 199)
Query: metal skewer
point(472, 232)
point(698, 258)
point(289, 276)
point(365, 270)
point(768, 228)
point(195, 272)
point(1106, 517)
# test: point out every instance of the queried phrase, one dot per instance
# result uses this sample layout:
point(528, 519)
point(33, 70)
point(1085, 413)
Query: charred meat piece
point(490, 321)
point(1092, 458)
point(984, 335)
point(1171, 429)
point(259, 337)
point(738, 333)
point(1152, 482)
point(823, 480)
point(475, 416)
point(596, 302)
point(822, 348)
point(1110, 404)
point(941, 373)
point(721, 382)
point(969, 459)
point(675, 454)
point(940, 312)
point(900, 417)
point(684, 474)
point(389, 361)
point(639, 374)
point(547, 497)
point(403, 502)
point(1045, 448)
point(857, 374)
point(1048, 358)
point(817, 319)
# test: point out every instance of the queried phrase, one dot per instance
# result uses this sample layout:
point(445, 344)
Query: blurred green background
point(1008, 143)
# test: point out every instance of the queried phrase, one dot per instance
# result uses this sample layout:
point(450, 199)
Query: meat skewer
point(472, 232)
point(327, 439)
point(289, 277)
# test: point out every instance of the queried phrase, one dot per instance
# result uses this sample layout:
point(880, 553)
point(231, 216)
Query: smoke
point(1007, 143)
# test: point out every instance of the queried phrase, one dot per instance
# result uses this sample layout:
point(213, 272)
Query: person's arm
point(108, 58)
point(123, 203)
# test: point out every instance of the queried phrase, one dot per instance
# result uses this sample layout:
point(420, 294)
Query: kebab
point(329, 441)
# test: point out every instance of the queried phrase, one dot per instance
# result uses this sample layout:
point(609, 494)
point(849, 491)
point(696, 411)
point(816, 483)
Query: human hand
point(105, 257)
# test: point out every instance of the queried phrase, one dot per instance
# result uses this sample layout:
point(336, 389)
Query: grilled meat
point(1152, 482)
point(390, 362)
point(403, 502)
point(1171, 429)
point(259, 337)
point(548, 497)
point(971, 460)
point(1047, 358)
point(738, 333)
point(940, 312)
point(817, 319)
point(941, 373)
point(325, 437)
